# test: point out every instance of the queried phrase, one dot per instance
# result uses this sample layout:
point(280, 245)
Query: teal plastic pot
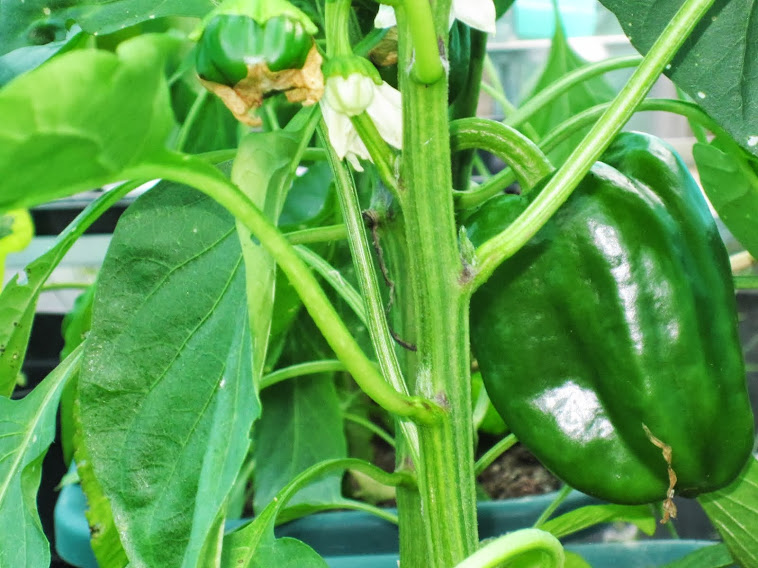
point(535, 18)
point(335, 535)
point(638, 554)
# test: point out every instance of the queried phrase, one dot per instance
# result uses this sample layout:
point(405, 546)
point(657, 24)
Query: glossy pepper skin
point(617, 317)
point(229, 43)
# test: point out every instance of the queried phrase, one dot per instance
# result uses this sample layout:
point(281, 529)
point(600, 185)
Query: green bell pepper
point(609, 342)
point(231, 42)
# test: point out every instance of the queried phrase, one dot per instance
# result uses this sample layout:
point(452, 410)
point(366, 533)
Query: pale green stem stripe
point(526, 159)
point(203, 176)
point(189, 121)
point(315, 472)
point(351, 505)
point(334, 278)
point(494, 452)
point(563, 494)
point(566, 83)
point(325, 234)
point(381, 338)
point(56, 286)
point(300, 370)
point(493, 252)
point(370, 426)
point(588, 117)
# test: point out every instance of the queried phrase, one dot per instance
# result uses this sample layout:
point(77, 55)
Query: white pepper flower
point(349, 94)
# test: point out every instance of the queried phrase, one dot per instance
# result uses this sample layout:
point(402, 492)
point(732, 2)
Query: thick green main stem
point(440, 370)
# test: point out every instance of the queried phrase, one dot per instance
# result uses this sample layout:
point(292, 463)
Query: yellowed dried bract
point(304, 86)
point(669, 507)
point(385, 52)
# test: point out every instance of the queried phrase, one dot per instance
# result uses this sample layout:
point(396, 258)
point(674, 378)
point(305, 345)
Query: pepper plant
point(240, 291)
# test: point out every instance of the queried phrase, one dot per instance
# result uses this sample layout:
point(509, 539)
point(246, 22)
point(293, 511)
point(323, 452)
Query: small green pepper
point(230, 43)
point(609, 342)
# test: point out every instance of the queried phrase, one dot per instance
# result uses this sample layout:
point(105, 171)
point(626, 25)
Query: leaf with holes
point(717, 65)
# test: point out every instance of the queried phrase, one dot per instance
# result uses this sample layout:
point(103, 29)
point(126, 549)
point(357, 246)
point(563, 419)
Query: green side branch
point(204, 177)
point(493, 252)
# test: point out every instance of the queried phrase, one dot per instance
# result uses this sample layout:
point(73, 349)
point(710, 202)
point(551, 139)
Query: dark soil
point(516, 473)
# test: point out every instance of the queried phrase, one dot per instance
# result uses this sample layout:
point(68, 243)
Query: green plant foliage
point(39, 22)
point(591, 515)
point(730, 180)
point(27, 427)
point(717, 65)
point(734, 512)
point(46, 128)
point(213, 126)
point(254, 546)
point(170, 341)
point(18, 300)
point(27, 58)
point(562, 60)
point(502, 6)
point(301, 426)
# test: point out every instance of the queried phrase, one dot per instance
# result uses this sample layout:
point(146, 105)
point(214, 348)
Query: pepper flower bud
point(354, 86)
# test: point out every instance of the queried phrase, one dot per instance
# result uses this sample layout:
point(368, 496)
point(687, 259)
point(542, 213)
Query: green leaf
point(254, 543)
point(166, 393)
point(734, 512)
point(562, 60)
point(38, 22)
point(502, 6)
point(27, 427)
point(84, 119)
point(25, 59)
point(585, 517)
point(213, 127)
point(310, 198)
point(716, 556)
point(717, 65)
point(254, 546)
point(264, 168)
point(300, 427)
point(731, 183)
point(18, 300)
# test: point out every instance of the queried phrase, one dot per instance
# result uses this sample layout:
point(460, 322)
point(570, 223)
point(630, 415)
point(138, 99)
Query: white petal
point(479, 14)
point(353, 160)
point(385, 18)
point(343, 137)
point(386, 110)
point(340, 129)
